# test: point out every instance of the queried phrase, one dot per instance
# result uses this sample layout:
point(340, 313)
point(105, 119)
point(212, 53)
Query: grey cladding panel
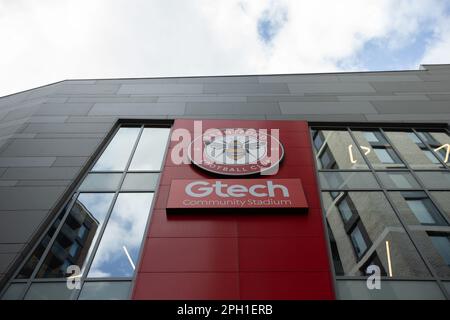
point(51, 147)
point(327, 88)
point(379, 78)
point(443, 86)
point(298, 78)
point(247, 88)
point(160, 89)
point(51, 109)
point(29, 198)
point(18, 226)
point(408, 107)
point(326, 107)
point(26, 161)
point(67, 128)
point(139, 109)
point(42, 173)
point(73, 88)
point(290, 98)
point(224, 108)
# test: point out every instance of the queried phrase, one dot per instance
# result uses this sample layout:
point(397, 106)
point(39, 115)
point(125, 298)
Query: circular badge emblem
point(236, 152)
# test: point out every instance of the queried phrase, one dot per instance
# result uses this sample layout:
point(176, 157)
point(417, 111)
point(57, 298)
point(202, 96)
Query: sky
point(51, 40)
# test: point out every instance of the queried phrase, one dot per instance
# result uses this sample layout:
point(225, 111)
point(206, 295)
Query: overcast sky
point(44, 41)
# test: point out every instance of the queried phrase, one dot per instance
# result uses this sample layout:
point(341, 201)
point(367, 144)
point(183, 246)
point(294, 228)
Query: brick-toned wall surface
point(48, 134)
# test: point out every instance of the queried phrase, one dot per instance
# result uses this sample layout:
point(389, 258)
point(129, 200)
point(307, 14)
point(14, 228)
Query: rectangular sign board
point(236, 193)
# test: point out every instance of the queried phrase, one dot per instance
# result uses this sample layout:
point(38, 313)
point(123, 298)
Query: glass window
point(101, 181)
point(140, 181)
point(398, 180)
point(15, 291)
point(89, 211)
point(416, 208)
point(442, 244)
point(117, 153)
point(119, 248)
point(413, 150)
point(339, 151)
point(105, 290)
point(150, 150)
point(359, 243)
point(435, 179)
point(377, 149)
point(50, 291)
point(347, 180)
point(346, 208)
point(363, 239)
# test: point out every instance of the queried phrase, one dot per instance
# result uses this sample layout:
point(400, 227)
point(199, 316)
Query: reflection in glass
point(105, 290)
point(442, 199)
point(73, 243)
point(435, 179)
point(337, 151)
point(347, 180)
point(50, 291)
point(119, 248)
point(117, 153)
point(33, 260)
point(442, 244)
point(14, 291)
point(150, 150)
point(439, 142)
point(413, 150)
point(377, 149)
point(398, 180)
point(140, 181)
point(101, 181)
point(362, 240)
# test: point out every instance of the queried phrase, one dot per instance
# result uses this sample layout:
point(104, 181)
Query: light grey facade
point(49, 134)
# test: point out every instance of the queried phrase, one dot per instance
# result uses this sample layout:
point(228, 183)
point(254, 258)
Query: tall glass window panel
point(118, 151)
point(441, 242)
point(417, 209)
point(338, 151)
point(377, 149)
point(398, 180)
point(348, 180)
point(442, 199)
point(150, 150)
point(119, 247)
point(439, 142)
point(79, 232)
point(416, 154)
point(385, 238)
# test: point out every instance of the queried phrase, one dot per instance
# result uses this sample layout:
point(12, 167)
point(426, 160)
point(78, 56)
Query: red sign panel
point(236, 193)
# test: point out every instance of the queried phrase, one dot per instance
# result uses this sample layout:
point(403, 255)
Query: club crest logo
point(236, 152)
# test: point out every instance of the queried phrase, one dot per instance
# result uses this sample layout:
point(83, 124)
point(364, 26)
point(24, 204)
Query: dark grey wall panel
point(246, 88)
point(330, 87)
point(51, 147)
point(29, 198)
point(149, 89)
point(438, 86)
point(143, 109)
point(40, 173)
point(326, 107)
point(212, 108)
point(26, 161)
point(18, 226)
point(409, 107)
point(64, 109)
point(67, 128)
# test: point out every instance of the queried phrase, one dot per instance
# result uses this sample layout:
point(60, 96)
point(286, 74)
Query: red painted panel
point(283, 254)
point(285, 285)
point(190, 255)
point(238, 255)
point(187, 286)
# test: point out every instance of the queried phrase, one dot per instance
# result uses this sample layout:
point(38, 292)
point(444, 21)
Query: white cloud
point(50, 40)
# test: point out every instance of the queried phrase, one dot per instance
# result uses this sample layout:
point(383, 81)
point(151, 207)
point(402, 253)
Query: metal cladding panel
point(220, 253)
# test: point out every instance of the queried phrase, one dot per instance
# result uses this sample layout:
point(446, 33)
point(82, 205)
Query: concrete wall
point(48, 134)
